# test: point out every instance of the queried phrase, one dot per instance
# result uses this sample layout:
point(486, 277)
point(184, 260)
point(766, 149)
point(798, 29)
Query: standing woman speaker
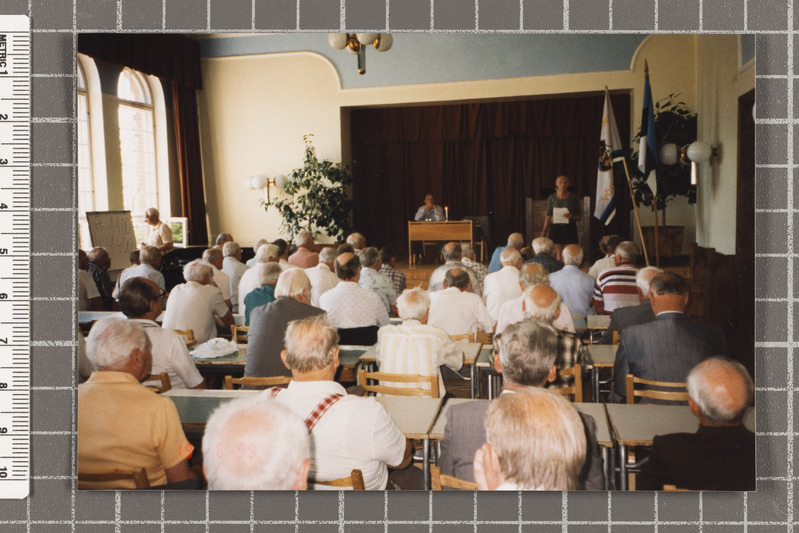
point(563, 212)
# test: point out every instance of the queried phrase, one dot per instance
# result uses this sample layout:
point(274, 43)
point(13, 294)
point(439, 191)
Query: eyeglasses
point(162, 293)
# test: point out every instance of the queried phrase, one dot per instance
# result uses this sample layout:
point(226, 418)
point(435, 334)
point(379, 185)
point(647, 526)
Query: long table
point(601, 356)
point(455, 230)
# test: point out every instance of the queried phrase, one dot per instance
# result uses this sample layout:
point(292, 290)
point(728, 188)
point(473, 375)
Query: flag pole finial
point(606, 87)
point(646, 68)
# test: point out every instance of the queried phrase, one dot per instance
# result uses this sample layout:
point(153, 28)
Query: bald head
point(348, 267)
point(720, 390)
point(516, 240)
point(452, 251)
point(542, 303)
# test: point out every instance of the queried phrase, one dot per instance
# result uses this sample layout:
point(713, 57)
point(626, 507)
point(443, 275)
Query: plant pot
point(669, 240)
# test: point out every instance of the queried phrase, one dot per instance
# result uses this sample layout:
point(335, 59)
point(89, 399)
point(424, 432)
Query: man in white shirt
point(349, 305)
point(512, 311)
point(322, 276)
point(142, 302)
point(357, 241)
point(452, 253)
point(607, 245)
point(256, 245)
point(197, 305)
point(371, 279)
point(149, 263)
point(574, 286)
point(455, 309)
point(351, 431)
point(250, 280)
point(235, 269)
point(469, 259)
point(414, 347)
point(158, 233)
point(213, 256)
point(503, 285)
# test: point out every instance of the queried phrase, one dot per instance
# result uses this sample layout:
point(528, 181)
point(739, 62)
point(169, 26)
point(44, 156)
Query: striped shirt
point(615, 287)
point(417, 349)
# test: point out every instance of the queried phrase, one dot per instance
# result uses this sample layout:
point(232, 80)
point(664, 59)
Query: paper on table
point(559, 215)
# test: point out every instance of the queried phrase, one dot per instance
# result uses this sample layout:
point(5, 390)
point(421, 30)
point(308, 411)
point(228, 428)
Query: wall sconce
point(259, 181)
point(690, 154)
point(357, 43)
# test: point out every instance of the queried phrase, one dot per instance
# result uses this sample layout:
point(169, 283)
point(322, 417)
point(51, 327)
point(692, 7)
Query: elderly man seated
point(149, 263)
point(721, 454)
point(322, 276)
point(526, 358)
point(142, 302)
point(574, 286)
point(512, 311)
point(607, 245)
point(515, 240)
point(255, 246)
point(250, 280)
point(456, 309)
point(632, 315)
point(99, 265)
point(197, 305)
point(123, 425)
point(268, 323)
point(235, 269)
point(452, 253)
point(535, 441)
point(304, 257)
point(544, 250)
point(371, 279)
point(616, 287)
point(213, 256)
point(415, 347)
point(503, 285)
point(388, 262)
point(268, 274)
point(347, 431)
point(234, 454)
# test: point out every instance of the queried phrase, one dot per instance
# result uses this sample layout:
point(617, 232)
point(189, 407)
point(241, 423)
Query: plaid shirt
point(480, 270)
point(397, 278)
point(570, 353)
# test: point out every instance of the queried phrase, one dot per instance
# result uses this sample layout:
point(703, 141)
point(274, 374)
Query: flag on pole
point(648, 151)
point(611, 154)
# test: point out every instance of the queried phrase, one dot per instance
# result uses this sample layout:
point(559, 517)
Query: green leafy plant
point(675, 122)
point(315, 197)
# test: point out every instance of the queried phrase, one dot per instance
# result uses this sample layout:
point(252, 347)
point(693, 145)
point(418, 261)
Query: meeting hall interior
point(416, 261)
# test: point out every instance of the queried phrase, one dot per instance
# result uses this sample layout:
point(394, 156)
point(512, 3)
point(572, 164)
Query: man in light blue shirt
point(575, 287)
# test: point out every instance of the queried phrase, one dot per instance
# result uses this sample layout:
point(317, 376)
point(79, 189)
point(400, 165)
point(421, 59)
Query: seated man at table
point(615, 287)
point(268, 323)
point(515, 240)
point(667, 348)
point(234, 454)
point(149, 263)
point(414, 347)
point(123, 425)
point(304, 257)
point(214, 257)
point(322, 276)
point(503, 285)
point(388, 262)
point(456, 309)
point(197, 305)
point(721, 454)
point(250, 280)
point(235, 269)
point(632, 315)
point(534, 441)
point(526, 358)
point(544, 250)
point(371, 279)
point(347, 431)
point(452, 253)
point(607, 245)
point(99, 265)
point(142, 302)
point(575, 287)
point(429, 211)
point(267, 275)
point(512, 311)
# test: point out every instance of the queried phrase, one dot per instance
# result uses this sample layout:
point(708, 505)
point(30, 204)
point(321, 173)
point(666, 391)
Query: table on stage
point(600, 356)
point(638, 424)
point(453, 230)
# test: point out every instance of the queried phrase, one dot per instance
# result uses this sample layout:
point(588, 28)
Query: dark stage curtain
point(187, 137)
point(478, 159)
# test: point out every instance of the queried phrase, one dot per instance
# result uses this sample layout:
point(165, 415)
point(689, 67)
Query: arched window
point(92, 186)
point(85, 178)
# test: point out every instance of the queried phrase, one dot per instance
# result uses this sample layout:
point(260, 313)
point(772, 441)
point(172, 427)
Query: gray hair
point(644, 277)
point(452, 251)
point(257, 244)
point(231, 248)
point(310, 343)
point(539, 438)
point(327, 254)
point(97, 254)
point(542, 310)
point(152, 211)
point(527, 351)
point(532, 274)
point(301, 238)
point(149, 255)
point(509, 256)
point(516, 240)
point(542, 244)
point(467, 250)
point(198, 270)
point(570, 258)
point(627, 250)
point(267, 273)
point(292, 283)
point(712, 388)
point(234, 450)
point(212, 254)
point(356, 240)
point(369, 257)
point(112, 341)
point(412, 304)
point(265, 251)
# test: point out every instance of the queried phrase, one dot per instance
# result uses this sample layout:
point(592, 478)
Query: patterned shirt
point(570, 353)
point(615, 287)
point(373, 281)
point(480, 270)
point(103, 282)
point(349, 305)
point(397, 278)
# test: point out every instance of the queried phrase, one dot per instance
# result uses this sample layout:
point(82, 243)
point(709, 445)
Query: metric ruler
point(15, 186)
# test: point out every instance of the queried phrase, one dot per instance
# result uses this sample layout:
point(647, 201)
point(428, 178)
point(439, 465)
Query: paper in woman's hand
point(559, 215)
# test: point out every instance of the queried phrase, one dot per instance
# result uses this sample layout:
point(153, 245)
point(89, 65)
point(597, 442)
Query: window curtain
point(479, 159)
point(187, 139)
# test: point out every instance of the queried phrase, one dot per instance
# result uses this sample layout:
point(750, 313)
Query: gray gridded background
point(55, 505)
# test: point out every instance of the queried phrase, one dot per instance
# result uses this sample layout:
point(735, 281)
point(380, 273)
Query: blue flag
point(610, 153)
point(648, 151)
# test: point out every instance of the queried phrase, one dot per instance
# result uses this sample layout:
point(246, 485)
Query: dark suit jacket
point(465, 434)
point(549, 262)
point(713, 458)
point(624, 317)
point(665, 349)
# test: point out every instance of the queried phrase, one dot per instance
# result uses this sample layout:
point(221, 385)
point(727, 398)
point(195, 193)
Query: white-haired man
point(544, 249)
point(213, 256)
point(414, 347)
point(304, 257)
point(721, 454)
point(607, 245)
point(512, 311)
point(616, 287)
point(632, 315)
point(222, 239)
point(268, 323)
point(469, 259)
point(122, 425)
point(268, 274)
point(197, 305)
point(234, 450)
point(357, 241)
point(456, 309)
point(503, 285)
point(250, 280)
point(322, 276)
point(515, 240)
point(535, 441)
point(149, 263)
point(347, 431)
point(574, 286)
point(235, 269)
point(526, 358)
point(255, 246)
point(371, 279)
point(452, 253)
point(158, 233)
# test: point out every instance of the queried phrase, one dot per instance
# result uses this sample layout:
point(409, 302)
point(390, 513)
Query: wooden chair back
point(439, 481)
point(678, 394)
point(354, 480)
point(163, 377)
point(673, 488)
point(433, 392)
point(272, 381)
point(576, 388)
point(239, 333)
point(187, 333)
point(139, 477)
point(470, 337)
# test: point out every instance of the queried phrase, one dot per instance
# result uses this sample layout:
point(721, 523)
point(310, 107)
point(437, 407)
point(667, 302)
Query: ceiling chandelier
point(357, 43)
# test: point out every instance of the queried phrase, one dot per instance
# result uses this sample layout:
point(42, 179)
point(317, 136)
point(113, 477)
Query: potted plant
point(675, 122)
point(315, 197)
